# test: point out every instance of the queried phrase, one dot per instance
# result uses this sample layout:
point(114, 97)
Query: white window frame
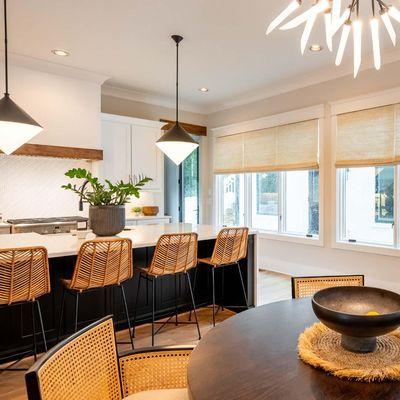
point(378, 99)
point(315, 112)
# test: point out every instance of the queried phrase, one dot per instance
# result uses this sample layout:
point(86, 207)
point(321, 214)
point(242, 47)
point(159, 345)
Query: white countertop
point(62, 245)
point(143, 217)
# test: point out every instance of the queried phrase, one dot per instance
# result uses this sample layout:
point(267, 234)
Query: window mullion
point(396, 207)
point(281, 201)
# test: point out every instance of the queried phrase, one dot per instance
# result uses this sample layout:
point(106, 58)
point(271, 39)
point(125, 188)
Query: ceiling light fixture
point(16, 126)
point(176, 143)
point(61, 53)
point(315, 48)
point(204, 90)
point(349, 20)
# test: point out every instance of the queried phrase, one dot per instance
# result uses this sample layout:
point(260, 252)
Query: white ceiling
point(225, 48)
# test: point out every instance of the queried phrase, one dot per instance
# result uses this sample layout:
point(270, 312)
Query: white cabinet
point(129, 148)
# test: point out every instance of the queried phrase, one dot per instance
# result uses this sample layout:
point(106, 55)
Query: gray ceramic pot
point(107, 220)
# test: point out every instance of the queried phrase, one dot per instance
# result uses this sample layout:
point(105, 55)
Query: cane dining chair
point(230, 247)
point(86, 365)
point(175, 254)
point(24, 278)
point(101, 263)
point(307, 286)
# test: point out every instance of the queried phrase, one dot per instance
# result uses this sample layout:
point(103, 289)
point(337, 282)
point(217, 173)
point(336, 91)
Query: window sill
point(367, 248)
point(313, 241)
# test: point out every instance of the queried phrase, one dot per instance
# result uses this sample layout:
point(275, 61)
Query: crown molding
point(37, 64)
point(148, 98)
point(304, 80)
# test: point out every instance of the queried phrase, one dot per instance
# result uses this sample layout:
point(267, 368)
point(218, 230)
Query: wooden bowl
point(345, 310)
point(150, 211)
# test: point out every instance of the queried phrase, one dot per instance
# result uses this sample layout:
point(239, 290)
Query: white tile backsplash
point(30, 187)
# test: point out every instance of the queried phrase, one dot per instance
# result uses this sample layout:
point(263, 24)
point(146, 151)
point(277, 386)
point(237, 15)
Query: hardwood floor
point(272, 287)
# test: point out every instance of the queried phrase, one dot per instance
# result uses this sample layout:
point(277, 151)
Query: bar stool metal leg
point(194, 288)
point(127, 314)
point(34, 331)
point(223, 288)
point(152, 311)
point(193, 304)
point(76, 310)
point(136, 305)
point(41, 325)
point(213, 294)
point(61, 314)
point(176, 300)
point(241, 280)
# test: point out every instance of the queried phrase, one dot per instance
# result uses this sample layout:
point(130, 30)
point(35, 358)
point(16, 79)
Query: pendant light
point(176, 143)
point(16, 126)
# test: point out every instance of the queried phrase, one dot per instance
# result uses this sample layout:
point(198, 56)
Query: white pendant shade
point(177, 151)
point(13, 135)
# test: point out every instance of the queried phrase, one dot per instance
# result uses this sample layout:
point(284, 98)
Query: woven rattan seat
point(86, 365)
point(307, 286)
point(24, 277)
point(174, 254)
point(101, 263)
point(230, 247)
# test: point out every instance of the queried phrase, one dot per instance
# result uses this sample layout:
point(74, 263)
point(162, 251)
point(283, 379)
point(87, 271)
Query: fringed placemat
point(320, 347)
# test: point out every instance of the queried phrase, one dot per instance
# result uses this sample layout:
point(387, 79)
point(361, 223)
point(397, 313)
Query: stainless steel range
point(46, 226)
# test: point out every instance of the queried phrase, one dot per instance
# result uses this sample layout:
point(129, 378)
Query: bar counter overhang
point(16, 322)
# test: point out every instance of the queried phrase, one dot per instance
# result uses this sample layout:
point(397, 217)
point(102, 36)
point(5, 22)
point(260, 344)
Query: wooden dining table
point(253, 356)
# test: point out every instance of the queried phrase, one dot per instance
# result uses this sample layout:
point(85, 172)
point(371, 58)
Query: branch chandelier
point(347, 21)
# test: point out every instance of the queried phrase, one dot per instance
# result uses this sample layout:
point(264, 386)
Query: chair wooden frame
point(87, 276)
point(174, 254)
point(358, 280)
point(169, 365)
point(24, 277)
point(230, 247)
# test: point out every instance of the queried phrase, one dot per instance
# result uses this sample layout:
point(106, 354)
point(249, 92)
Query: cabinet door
point(116, 140)
point(146, 157)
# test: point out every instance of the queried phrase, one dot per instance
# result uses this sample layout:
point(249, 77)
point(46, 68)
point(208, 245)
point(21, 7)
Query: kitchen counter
point(146, 217)
point(65, 244)
point(63, 248)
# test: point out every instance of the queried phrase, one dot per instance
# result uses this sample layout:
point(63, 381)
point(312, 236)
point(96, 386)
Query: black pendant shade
point(16, 126)
point(176, 143)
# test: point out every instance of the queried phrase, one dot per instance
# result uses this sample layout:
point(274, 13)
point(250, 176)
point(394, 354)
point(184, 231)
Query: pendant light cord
point(177, 77)
point(6, 47)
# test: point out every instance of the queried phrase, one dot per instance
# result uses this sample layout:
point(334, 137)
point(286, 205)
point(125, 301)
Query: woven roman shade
point(368, 137)
point(281, 148)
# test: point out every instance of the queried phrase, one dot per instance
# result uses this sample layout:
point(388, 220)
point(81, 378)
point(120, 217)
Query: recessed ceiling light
point(315, 47)
point(204, 90)
point(61, 53)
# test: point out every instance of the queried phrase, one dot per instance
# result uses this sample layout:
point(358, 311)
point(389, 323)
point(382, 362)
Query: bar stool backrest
point(102, 262)
point(174, 253)
point(230, 246)
point(24, 274)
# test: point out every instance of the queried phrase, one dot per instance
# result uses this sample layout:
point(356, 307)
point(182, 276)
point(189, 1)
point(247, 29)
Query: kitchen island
point(15, 321)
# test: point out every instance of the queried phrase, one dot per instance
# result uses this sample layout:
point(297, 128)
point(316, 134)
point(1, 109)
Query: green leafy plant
point(136, 210)
point(96, 193)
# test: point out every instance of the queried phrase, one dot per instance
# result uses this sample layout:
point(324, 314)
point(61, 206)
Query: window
point(366, 204)
point(231, 199)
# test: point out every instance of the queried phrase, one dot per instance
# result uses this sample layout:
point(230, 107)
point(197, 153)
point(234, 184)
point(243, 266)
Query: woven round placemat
point(320, 347)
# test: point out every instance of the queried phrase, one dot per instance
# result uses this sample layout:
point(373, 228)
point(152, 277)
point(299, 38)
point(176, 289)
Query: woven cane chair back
point(174, 253)
point(84, 366)
point(230, 246)
point(24, 274)
point(102, 262)
point(308, 286)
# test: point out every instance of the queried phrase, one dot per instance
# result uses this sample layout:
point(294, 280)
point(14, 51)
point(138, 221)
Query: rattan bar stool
point(230, 247)
point(86, 365)
point(24, 277)
point(174, 254)
point(307, 286)
point(101, 263)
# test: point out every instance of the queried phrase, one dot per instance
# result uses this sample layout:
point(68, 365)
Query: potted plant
point(107, 200)
point(136, 211)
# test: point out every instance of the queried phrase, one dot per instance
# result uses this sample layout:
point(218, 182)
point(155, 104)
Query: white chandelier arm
point(328, 30)
point(336, 8)
point(307, 31)
point(343, 42)
point(338, 23)
point(357, 40)
point(394, 13)
point(374, 23)
point(321, 6)
point(293, 6)
point(389, 27)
